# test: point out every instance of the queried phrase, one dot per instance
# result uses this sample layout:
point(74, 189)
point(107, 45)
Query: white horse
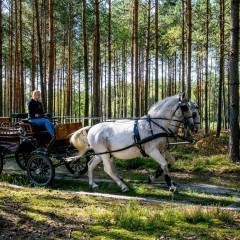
point(130, 139)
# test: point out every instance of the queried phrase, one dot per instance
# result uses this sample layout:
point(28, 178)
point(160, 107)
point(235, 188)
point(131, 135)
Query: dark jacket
point(35, 107)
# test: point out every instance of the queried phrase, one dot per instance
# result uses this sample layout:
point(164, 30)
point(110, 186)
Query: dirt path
point(202, 187)
point(113, 196)
point(63, 174)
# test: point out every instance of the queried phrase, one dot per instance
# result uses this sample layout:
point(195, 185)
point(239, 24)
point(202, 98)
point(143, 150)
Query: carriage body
point(34, 150)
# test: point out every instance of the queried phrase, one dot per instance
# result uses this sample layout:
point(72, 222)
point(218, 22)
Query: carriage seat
point(5, 121)
point(29, 127)
point(64, 130)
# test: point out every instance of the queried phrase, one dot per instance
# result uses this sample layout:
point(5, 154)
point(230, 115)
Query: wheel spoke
point(41, 170)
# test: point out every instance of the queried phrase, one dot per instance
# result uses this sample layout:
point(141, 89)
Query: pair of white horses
point(117, 139)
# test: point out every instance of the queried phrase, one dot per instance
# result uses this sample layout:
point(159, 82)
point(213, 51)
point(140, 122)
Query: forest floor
point(206, 205)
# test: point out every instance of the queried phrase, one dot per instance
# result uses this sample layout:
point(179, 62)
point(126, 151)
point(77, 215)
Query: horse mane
point(164, 106)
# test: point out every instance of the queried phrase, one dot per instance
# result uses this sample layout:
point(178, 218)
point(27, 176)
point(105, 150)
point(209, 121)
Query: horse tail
point(79, 140)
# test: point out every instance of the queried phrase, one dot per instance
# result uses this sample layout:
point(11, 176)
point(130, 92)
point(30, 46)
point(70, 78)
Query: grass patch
point(18, 179)
point(216, 163)
point(64, 215)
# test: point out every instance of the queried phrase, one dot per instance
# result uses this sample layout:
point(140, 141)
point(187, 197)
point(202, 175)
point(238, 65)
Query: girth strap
point(137, 139)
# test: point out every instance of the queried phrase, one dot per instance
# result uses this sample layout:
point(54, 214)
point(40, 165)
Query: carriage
point(148, 135)
point(35, 152)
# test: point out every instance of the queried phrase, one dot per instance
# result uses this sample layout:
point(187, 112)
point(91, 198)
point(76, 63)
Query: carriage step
point(70, 159)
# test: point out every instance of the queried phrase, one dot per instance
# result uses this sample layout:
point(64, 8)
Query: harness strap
point(150, 125)
point(145, 118)
point(142, 141)
point(165, 130)
point(137, 139)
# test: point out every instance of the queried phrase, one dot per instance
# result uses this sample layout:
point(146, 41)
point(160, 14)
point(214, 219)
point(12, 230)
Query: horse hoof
point(125, 189)
point(173, 188)
point(151, 178)
point(94, 185)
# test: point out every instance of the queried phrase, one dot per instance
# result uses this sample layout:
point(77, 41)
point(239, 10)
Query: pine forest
point(116, 58)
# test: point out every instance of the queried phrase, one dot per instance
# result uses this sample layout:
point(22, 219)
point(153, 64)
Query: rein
point(138, 142)
point(142, 141)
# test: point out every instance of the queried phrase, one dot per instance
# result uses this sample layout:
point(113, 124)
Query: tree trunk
point(109, 115)
point(1, 62)
point(206, 69)
point(234, 83)
point(69, 74)
point(51, 59)
point(136, 63)
point(114, 84)
point(16, 63)
point(21, 69)
point(33, 56)
point(40, 52)
point(11, 61)
point(189, 46)
point(132, 65)
point(221, 70)
point(44, 32)
point(183, 45)
point(85, 62)
point(147, 59)
point(162, 60)
point(156, 52)
point(96, 73)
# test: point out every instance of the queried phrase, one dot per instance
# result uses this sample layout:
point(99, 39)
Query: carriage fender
point(79, 140)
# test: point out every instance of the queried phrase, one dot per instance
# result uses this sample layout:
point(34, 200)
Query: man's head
point(36, 95)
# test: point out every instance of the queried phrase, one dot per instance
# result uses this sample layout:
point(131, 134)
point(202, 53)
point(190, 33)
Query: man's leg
point(50, 127)
point(41, 122)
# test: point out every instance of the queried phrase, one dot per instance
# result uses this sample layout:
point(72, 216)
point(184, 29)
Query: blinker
point(184, 108)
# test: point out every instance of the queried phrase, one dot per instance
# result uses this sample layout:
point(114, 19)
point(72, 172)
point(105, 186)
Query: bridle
point(184, 119)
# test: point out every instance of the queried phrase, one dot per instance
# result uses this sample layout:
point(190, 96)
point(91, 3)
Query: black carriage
point(36, 153)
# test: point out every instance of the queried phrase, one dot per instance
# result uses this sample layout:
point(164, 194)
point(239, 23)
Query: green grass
point(214, 169)
point(101, 218)
point(62, 214)
point(149, 191)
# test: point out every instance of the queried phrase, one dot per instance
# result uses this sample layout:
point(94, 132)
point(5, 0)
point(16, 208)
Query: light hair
point(34, 92)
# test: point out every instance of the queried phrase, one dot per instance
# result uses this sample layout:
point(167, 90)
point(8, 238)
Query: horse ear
point(184, 96)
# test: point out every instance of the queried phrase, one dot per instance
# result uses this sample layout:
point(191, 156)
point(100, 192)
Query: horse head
point(196, 115)
point(182, 114)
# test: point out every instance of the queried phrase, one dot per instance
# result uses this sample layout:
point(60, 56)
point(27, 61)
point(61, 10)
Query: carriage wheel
point(80, 165)
point(40, 170)
point(23, 155)
point(22, 159)
point(1, 163)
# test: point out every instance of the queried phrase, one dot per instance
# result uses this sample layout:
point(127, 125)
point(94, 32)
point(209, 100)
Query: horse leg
point(170, 159)
point(114, 168)
point(157, 156)
point(91, 166)
point(111, 171)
